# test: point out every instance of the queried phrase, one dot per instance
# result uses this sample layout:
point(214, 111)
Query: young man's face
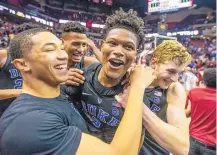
point(47, 60)
point(167, 73)
point(75, 45)
point(119, 52)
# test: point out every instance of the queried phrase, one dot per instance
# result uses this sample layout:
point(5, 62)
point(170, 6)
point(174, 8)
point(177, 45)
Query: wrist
point(138, 85)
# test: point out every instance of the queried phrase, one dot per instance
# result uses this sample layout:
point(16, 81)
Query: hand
point(75, 77)
point(126, 81)
point(142, 76)
point(122, 98)
point(90, 43)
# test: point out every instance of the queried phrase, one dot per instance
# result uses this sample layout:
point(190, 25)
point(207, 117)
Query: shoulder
point(176, 94)
point(45, 130)
point(89, 60)
point(176, 87)
point(91, 67)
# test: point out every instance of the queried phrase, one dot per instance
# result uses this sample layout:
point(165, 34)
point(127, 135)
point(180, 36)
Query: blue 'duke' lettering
point(14, 73)
point(97, 120)
point(17, 82)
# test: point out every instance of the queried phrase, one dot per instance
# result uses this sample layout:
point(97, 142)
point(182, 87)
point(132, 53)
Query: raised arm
point(3, 58)
point(97, 53)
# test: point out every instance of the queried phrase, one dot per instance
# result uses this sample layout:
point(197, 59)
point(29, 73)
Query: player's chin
point(76, 60)
point(61, 79)
point(164, 85)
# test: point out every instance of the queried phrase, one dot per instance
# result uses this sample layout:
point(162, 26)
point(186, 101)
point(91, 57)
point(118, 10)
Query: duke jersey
point(97, 104)
point(155, 99)
point(10, 78)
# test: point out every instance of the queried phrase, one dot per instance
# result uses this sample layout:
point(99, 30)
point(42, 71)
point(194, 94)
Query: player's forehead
point(174, 65)
point(41, 39)
point(76, 37)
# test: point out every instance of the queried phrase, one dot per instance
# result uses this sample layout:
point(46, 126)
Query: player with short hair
point(95, 98)
point(10, 77)
point(43, 121)
point(74, 36)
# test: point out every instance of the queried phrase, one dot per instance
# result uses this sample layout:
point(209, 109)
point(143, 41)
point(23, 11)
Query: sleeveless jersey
point(97, 104)
point(10, 78)
point(155, 100)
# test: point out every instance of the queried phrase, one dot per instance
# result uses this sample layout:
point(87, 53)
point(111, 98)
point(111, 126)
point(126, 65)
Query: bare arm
point(173, 136)
point(9, 93)
point(3, 58)
point(89, 60)
point(188, 109)
point(96, 52)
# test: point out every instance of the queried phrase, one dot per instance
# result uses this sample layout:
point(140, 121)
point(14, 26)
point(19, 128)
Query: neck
point(153, 84)
point(39, 88)
point(71, 64)
point(105, 80)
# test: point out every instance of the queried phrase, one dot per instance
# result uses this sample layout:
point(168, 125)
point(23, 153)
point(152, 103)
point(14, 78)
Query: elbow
point(184, 148)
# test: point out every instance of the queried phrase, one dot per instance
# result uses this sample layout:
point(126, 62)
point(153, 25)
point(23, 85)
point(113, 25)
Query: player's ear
point(21, 65)
point(153, 63)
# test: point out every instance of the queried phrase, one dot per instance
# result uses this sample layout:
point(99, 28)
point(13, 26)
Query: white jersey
point(190, 80)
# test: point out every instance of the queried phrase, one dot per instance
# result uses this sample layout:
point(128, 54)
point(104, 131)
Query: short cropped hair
point(73, 27)
point(26, 26)
point(209, 77)
point(126, 20)
point(171, 50)
point(22, 42)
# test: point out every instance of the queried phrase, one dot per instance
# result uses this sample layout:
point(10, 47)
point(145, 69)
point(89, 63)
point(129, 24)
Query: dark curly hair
point(127, 20)
point(22, 42)
point(209, 77)
point(73, 27)
point(26, 26)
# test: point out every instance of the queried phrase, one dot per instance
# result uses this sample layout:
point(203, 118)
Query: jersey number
point(18, 84)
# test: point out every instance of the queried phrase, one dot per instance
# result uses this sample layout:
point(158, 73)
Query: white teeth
point(77, 54)
point(61, 66)
point(117, 61)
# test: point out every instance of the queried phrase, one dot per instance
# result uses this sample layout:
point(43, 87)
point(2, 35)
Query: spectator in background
point(201, 103)
point(213, 54)
point(189, 80)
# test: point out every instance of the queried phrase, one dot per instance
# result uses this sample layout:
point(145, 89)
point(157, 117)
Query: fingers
point(71, 83)
point(75, 77)
point(74, 70)
point(74, 81)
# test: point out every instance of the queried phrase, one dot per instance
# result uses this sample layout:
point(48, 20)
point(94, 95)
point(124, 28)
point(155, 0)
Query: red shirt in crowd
point(203, 115)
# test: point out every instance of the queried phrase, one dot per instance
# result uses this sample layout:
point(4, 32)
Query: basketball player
point(42, 121)
point(74, 36)
point(10, 77)
point(163, 114)
point(96, 97)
